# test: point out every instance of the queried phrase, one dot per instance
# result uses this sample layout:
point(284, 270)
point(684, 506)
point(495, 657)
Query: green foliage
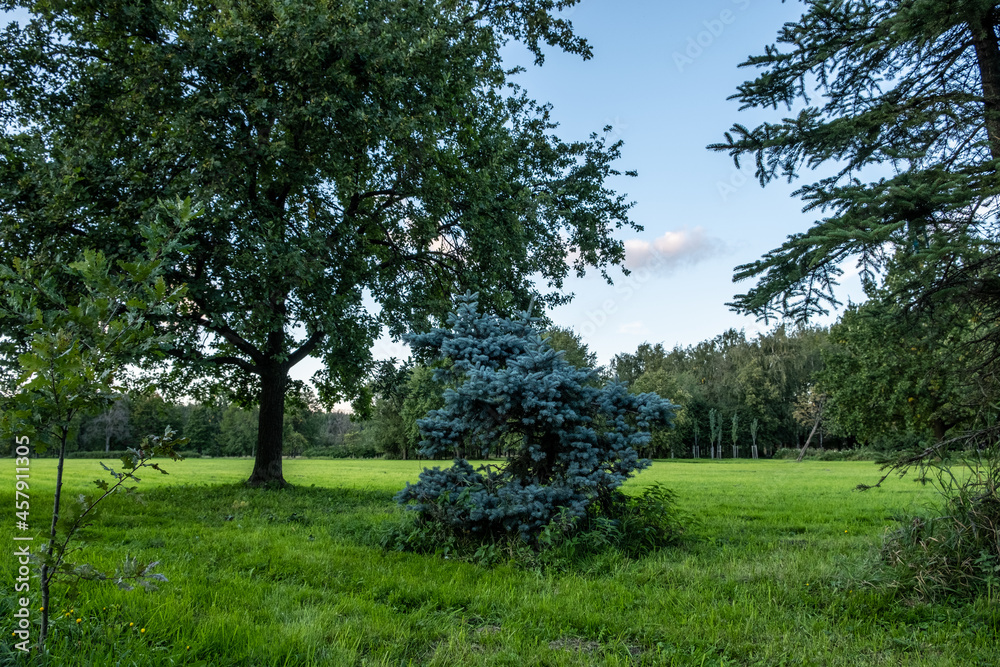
point(353, 446)
point(131, 572)
point(150, 413)
point(358, 162)
point(668, 441)
point(889, 374)
point(953, 550)
point(79, 342)
point(402, 396)
point(633, 526)
point(759, 378)
point(76, 350)
point(650, 521)
point(110, 427)
point(570, 343)
point(856, 454)
point(203, 428)
point(237, 432)
point(902, 100)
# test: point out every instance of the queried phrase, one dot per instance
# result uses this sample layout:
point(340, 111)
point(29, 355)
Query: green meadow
point(780, 568)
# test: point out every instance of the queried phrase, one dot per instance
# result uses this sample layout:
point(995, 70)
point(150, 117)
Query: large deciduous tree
point(357, 162)
point(899, 102)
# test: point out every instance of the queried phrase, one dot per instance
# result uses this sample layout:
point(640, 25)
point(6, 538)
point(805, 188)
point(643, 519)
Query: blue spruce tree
point(567, 443)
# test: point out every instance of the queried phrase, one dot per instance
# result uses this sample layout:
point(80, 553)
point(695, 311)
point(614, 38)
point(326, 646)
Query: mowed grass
point(779, 571)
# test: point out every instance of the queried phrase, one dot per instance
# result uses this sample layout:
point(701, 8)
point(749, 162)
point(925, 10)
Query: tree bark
point(939, 428)
point(984, 37)
point(802, 452)
point(270, 429)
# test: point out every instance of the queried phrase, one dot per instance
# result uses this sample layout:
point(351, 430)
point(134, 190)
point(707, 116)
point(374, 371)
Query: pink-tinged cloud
point(684, 247)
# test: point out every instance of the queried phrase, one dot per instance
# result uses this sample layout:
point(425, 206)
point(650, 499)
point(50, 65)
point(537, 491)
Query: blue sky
point(660, 74)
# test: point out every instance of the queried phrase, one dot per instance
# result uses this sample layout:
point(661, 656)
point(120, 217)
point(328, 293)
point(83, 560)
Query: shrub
point(632, 526)
point(857, 454)
point(569, 444)
point(348, 450)
point(954, 550)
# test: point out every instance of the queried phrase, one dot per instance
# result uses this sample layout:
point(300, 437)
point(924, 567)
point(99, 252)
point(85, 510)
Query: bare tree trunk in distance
point(802, 452)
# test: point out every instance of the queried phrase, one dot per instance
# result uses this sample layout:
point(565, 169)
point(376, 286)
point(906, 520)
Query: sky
point(660, 76)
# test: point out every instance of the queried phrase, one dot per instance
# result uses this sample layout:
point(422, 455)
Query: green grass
point(775, 575)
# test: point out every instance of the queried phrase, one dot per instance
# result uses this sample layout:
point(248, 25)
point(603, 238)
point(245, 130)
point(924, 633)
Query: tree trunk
point(270, 429)
point(939, 427)
point(802, 452)
point(984, 37)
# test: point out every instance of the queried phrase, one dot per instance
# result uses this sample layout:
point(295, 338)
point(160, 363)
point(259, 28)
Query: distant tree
point(386, 430)
point(886, 376)
point(203, 428)
point(628, 368)
point(237, 432)
point(423, 394)
point(735, 432)
point(112, 425)
point(667, 440)
point(403, 396)
point(810, 409)
point(572, 444)
point(731, 373)
point(696, 431)
point(151, 413)
point(715, 430)
point(334, 428)
point(572, 346)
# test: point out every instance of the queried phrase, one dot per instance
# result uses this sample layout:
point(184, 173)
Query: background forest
point(869, 382)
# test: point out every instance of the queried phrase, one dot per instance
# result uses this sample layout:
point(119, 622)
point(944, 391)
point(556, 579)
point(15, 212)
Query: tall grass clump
point(954, 550)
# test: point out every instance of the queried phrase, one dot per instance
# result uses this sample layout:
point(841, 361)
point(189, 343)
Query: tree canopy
point(357, 163)
point(899, 103)
point(758, 378)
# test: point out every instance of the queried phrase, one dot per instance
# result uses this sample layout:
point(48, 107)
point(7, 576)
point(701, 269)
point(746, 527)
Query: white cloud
point(634, 328)
point(672, 250)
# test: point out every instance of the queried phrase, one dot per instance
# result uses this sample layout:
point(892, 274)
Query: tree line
point(873, 379)
point(878, 378)
point(220, 429)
